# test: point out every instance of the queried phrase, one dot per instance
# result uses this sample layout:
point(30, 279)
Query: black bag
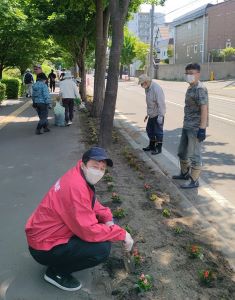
point(28, 78)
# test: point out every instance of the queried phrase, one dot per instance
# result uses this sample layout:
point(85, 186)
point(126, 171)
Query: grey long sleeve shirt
point(155, 100)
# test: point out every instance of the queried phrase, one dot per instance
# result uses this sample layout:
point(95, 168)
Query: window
point(228, 44)
point(188, 50)
point(195, 48)
point(201, 47)
point(189, 26)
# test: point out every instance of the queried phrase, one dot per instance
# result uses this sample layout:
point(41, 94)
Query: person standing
point(156, 109)
point(71, 230)
point(68, 92)
point(41, 102)
point(28, 81)
point(52, 78)
point(194, 128)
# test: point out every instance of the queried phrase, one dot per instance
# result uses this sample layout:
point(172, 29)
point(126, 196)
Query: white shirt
point(68, 89)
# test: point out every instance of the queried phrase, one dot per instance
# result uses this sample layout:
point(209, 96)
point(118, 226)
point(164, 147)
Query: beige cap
point(144, 78)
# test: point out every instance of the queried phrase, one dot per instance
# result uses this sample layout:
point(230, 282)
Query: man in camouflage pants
point(194, 128)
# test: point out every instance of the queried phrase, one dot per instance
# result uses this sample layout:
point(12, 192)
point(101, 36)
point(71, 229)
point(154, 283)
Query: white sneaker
point(69, 123)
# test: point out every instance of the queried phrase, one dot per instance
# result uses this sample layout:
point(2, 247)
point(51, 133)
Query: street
point(215, 198)
point(219, 147)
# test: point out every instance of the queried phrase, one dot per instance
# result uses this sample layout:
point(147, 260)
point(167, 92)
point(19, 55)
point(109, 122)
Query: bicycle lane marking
point(8, 119)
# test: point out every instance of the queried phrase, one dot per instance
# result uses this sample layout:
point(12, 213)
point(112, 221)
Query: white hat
point(67, 75)
point(144, 78)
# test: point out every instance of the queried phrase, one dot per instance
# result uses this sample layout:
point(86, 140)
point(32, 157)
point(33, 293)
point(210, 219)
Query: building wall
point(189, 41)
point(221, 26)
point(221, 70)
point(140, 25)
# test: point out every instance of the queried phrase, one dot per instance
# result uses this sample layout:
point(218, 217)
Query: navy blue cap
point(98, 154)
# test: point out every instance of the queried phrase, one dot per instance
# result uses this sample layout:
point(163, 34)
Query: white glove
point(109, 223)
point(160, 119)
point(128, 242)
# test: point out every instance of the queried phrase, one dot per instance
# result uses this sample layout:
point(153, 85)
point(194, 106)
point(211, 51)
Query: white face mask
point(92, 175)
point(189, 78)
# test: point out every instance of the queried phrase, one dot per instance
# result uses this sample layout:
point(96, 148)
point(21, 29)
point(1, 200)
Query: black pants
point(155, 130)
point(42, 110)
point(68, 104)
point(74, 256)
point(52, 86)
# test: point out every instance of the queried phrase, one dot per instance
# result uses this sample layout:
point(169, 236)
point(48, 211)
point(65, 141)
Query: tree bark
point(121, 71)
point(102, 24)
point(1, 71)
point(82, 69)
point(118, 10)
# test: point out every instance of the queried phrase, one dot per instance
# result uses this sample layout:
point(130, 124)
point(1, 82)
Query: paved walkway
point(29, 165)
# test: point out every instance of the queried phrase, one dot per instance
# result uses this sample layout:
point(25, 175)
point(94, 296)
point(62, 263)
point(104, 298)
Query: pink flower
point(142, 277)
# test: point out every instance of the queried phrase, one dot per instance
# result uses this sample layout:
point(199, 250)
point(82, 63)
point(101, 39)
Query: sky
point(181, 7)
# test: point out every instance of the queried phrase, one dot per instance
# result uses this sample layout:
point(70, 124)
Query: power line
point(179, 8)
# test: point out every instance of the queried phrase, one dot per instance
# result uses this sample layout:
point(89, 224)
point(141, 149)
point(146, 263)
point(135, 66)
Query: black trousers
point(155, 130)
point(52, 85)
point(74, 256)
point(42, 110)
point(68, 104)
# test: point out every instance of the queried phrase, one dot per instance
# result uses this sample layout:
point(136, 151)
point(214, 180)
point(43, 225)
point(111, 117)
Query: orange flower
point(194, 249)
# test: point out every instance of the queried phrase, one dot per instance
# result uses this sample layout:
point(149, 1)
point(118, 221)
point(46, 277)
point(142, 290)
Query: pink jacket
point(66, 210)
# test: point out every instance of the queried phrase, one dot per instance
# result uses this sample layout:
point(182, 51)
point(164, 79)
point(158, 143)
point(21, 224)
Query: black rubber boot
point(158, 149)
point(181, 176)
point(46, 129)
point(191, 185)
point(150, 147)
point(38, 131)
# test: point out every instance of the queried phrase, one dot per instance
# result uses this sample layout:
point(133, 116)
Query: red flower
point(206, 274)
point(194, 249)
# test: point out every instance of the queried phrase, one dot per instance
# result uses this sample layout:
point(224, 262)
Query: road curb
point(133, 138)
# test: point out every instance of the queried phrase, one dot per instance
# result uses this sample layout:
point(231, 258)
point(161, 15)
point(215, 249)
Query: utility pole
point(151, 44)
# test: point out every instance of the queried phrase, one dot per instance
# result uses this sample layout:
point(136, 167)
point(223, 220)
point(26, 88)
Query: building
point(140, 25)
point(191, 36)
point(163, 41)
point(221, 26)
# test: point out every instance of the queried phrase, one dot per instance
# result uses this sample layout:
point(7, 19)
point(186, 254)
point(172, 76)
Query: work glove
point(128, 242)
point(109, 223)
point(160, 119)
point(201, 134)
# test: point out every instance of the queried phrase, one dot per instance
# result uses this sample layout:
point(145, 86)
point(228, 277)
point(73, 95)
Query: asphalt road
point(214, 200)
point(219, 147)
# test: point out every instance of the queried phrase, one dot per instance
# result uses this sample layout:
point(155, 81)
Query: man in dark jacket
point(52, 78)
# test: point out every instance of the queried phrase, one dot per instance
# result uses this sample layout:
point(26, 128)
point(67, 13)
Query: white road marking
point(212, 115)
point(221, 200)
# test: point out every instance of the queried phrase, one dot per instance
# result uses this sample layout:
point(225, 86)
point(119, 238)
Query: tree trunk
point(121, 71)
point(129, 72)
point(118, 9)
point(102, 24)
point(82, 69)
point(1, 70)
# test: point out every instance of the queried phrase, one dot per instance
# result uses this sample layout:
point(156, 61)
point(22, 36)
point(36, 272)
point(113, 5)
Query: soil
point(162, 242)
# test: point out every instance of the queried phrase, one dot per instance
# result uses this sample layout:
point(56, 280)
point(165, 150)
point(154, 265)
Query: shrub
point(2, 91)
point(12, 88)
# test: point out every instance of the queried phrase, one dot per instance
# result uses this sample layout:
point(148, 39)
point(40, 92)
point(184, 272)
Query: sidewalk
point(29, 165)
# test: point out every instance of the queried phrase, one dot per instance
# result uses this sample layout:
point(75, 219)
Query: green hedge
point(2, 91)
point(12, 88)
